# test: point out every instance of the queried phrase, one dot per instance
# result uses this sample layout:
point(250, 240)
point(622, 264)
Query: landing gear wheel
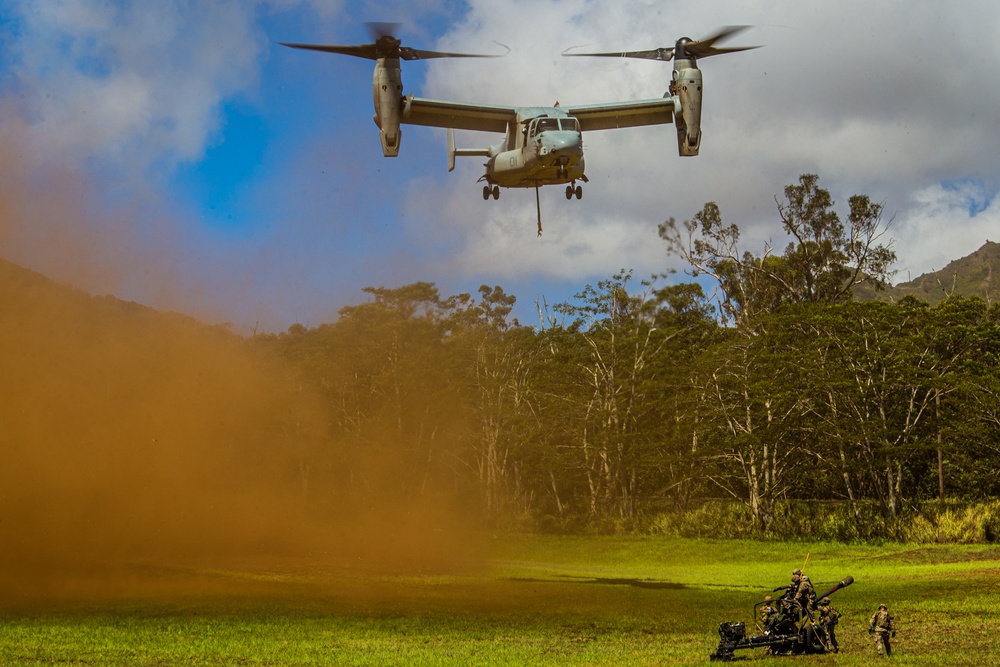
point(569, 192)
point(486, 192)
point(496, 192)
point(578, 192)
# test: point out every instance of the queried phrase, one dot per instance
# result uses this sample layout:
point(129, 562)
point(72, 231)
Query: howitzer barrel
point(843, 584)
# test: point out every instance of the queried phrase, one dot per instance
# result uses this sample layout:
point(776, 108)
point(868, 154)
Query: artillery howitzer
point(793, 629)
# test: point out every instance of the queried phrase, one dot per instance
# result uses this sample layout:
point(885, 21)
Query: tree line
point(770, 385)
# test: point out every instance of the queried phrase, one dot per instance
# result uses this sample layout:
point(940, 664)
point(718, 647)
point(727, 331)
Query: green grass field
point(537, 601)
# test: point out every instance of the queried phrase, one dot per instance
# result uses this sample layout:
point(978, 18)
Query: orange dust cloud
point(140, 449)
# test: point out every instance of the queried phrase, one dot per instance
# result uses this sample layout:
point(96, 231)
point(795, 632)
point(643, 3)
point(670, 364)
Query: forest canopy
point(764, 386)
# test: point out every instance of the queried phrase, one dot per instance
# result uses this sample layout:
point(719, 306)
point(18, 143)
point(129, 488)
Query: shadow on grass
point(605, 581)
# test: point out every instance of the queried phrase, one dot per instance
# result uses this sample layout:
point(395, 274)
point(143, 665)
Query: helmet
point(882, 606)
point(825, 601)
point(767, 598)
point(805, 577)
point(796, 571)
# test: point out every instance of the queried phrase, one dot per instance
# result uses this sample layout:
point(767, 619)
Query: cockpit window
point(546, 124)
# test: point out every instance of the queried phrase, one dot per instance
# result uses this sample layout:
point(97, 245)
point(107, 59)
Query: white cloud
point(937, 227)
point(132, 83)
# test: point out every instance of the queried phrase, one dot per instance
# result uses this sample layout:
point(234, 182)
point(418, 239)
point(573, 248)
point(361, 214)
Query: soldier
point(882, 626)
point(792, 588)
point(768, 617)
point(828, 618)
point(786, 608)
point(805, 595)
point(768, 612)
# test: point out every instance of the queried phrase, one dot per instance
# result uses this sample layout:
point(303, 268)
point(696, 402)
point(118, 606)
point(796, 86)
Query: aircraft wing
point(457, 115)
point(613, 115)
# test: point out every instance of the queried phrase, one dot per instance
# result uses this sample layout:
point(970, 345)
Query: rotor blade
point(699, 52)
point(362, 51)
point(407, 53)
point(696, 49)
point(387, 46)
point(651, 54)
point(704, 48)
point(723, 33)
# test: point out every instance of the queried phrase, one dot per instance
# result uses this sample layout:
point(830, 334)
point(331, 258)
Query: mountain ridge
point(969, 276)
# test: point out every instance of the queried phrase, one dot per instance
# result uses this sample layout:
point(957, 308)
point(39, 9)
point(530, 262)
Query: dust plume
point(140, 450)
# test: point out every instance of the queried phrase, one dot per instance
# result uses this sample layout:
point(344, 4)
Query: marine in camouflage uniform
point(785, 607)
point(828, 618)
point(768, 612)
point(805, 595)
point(768, 616)
point(793, 588)
point(882, 626)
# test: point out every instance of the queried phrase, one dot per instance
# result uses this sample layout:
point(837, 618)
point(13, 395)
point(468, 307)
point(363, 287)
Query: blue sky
point(173, 154)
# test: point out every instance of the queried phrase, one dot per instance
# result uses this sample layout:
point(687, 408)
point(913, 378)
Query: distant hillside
point(969, 276)
point(25, 293)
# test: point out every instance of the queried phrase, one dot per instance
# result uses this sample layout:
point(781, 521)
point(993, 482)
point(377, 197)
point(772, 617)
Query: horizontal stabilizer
point(461, 152)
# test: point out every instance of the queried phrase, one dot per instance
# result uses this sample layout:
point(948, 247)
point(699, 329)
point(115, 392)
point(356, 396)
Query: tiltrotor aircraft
point(542, 145)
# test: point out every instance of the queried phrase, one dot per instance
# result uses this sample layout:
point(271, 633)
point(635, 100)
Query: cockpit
point(547, 124)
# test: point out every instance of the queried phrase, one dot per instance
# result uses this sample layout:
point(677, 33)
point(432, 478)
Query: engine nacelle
point(387, 91)
point(686, 86)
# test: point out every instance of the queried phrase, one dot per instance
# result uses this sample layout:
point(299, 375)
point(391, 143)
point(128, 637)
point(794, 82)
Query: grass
point(539, 601)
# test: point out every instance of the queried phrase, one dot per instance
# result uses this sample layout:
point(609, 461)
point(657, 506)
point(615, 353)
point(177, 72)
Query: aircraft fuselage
point(544, 147)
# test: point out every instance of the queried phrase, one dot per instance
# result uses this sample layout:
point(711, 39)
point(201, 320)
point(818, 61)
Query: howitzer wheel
point(812, 641)
point(724, 653)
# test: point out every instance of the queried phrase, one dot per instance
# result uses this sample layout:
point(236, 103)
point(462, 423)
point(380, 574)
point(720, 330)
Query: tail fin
point(461, 152)
point(451, 149)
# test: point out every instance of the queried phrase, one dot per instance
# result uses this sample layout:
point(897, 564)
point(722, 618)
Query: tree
point(825, 261)
point(496, 360)
point(391, 390)
point(968, 404)
point(752, 398)
point(748, 419)
point(597, 380)
point(822, 264)
point(878, 375)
